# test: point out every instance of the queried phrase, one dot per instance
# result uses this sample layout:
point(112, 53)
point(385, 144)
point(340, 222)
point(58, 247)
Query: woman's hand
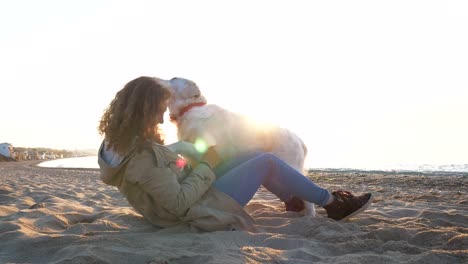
point(186, 149)
point(211, 157)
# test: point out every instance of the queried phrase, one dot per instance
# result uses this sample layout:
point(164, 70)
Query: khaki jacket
point(167, 195)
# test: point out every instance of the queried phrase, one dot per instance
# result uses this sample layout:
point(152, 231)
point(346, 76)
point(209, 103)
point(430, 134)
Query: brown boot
point(294, 204)
point(347, 205)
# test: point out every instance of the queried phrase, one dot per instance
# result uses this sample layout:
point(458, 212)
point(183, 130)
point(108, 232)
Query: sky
point(363, 83)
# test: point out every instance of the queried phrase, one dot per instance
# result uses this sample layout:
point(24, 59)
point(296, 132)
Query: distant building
point(6, 149)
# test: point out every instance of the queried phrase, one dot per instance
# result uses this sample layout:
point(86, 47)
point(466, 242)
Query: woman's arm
point(162, 185)
point(186, 149)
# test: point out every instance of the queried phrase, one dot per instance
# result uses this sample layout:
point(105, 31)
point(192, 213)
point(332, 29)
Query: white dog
point(232, 133)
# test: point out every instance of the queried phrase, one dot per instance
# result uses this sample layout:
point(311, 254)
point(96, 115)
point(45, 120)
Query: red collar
point(186, 109)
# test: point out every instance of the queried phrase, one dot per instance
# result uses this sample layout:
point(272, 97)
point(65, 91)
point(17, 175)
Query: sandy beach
point(52, 215)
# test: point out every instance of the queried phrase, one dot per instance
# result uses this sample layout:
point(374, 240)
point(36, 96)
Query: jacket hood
point(111, 174)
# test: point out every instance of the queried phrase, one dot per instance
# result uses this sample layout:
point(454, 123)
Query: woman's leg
point(226, 166)
point(243, 181)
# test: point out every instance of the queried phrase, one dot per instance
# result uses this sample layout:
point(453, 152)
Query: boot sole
point(364, 207)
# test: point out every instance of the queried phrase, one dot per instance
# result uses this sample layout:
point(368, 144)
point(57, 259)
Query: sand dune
point(70, 216)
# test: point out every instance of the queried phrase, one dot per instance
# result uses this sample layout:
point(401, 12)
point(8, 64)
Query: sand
point(69, 216)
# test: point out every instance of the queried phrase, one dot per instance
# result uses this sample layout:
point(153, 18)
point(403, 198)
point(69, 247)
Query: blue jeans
point(241, 177)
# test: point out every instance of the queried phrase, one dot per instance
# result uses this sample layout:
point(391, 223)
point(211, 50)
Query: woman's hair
point(133, 114)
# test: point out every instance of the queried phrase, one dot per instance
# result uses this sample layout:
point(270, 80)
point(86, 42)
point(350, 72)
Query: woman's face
point(162, 110)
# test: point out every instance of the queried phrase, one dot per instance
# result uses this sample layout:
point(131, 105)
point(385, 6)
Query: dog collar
point(186, 109)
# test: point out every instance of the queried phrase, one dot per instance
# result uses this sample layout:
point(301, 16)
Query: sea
point(90, 162)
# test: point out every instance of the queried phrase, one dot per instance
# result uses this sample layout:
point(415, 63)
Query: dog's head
point(185, 93)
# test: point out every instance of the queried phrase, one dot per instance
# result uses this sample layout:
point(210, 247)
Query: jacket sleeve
point(186, 149)
point(162, 185)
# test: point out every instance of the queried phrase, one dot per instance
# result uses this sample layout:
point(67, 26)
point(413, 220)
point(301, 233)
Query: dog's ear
point(184, 88)
point(178, 84)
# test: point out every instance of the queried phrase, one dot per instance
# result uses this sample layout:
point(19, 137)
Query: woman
point(162, 187)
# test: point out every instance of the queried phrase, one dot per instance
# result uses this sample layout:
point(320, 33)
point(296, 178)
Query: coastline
point(425, 169)
point(390, 172)
point(67, 215)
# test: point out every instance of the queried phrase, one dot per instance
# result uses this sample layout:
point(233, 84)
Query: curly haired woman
point(208, 194)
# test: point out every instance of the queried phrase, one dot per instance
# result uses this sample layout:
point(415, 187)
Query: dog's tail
point(304, 148)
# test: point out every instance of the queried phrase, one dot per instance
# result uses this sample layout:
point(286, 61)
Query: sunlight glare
point(200, 145)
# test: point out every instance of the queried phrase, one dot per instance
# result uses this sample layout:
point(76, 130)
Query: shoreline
point(308, 171)
point(67, 215)
point(393, 172)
